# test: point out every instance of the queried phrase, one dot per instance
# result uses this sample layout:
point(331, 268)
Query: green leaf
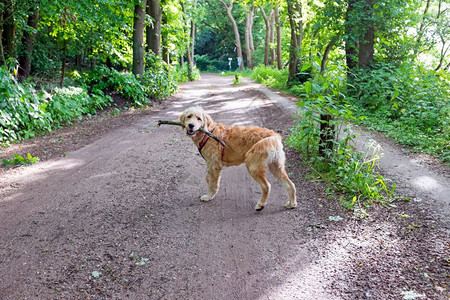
point(144, 261)
point(96, 274)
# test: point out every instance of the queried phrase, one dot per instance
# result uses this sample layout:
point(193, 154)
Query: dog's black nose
point(191, 125)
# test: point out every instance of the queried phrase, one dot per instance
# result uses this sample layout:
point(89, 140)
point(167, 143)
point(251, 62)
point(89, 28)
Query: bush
point(102, 79)
point(206, 64)
point(24, 112)
point(271, 77)
point(408, 103)
point(160, 80)
point(348, 171)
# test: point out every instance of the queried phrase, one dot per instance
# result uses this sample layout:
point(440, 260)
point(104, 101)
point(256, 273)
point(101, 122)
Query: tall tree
point(190, 25)
point(367, 39)
point(272, 37)
point(278, 34)
point(351, 40)
point(249, 47)
point(296, 24)
point(2, 52)
point(237, 37)
point(138, 36)
point(28, 38)
point(9, 29)
point(153, 32)
point(268, 34)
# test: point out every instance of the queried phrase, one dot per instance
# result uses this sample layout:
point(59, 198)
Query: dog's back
point(240, 139)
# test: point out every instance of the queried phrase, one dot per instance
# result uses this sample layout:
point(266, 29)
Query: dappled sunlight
point(426, 183)
point(42, 169)
point(346, 254)
point(35, 173)
point(312, 279)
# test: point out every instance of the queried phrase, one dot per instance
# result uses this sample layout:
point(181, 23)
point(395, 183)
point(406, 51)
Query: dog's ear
point(183, 117)
point(207, 120)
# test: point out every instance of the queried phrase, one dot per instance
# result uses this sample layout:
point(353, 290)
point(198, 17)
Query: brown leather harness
point(206, 138)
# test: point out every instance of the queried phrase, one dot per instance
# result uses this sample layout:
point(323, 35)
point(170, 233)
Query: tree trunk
point(296, 24)
point(79, 60)
point(28, 43)
point(2, 53)
point(421, 28)
point(153, 33)
point(366, 45)
point(278, 31)
point(63, 63)
point(272, 37)
point(236, 34)
point(351, 53)
point(190, 43)
point(249, 37)
point(326, 53)
point(9, 30)
point(193, 30)
point(267, 40)
point(138, 37)
point(443, 53)
point(164, 40)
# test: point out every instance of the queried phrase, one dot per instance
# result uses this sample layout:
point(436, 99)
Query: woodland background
point(383, 64)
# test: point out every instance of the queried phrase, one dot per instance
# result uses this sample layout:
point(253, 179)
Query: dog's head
point(195, 118)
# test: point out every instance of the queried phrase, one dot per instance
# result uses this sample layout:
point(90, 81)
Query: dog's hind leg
point(276, 167)
point(259, 174)
point(212, 179)
point(256, 162)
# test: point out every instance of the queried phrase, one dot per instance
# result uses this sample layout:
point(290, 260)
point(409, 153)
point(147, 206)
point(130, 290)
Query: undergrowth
point(19, 160)
point(410, 104)
point(407, 103)
point(352, 175)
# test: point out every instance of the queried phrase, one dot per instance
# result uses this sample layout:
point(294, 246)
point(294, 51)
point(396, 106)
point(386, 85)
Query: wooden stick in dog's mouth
point(201, 129)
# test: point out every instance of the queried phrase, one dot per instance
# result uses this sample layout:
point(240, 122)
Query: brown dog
point(259, 148)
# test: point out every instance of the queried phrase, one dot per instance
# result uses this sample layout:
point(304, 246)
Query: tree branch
point(160, 122)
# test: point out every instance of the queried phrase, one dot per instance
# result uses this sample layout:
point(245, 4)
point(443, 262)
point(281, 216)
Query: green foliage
point(237, 79)
point(348, 171)
point(206, 64)
point(269, 76)
point(181, 74)
point(410, 104)
point(71, 103)
point(103, 79)
point(160, 79)
point(25, 112)
point(19, 160)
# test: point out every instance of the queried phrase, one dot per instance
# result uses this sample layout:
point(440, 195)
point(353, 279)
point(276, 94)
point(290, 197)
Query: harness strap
point(203, 143)
point(223, 139)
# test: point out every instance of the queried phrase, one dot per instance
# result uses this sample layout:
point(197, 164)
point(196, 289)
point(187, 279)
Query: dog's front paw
point(206, 198)
point(290, 205)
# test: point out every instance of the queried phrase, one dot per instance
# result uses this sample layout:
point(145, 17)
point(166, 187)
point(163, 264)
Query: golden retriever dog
point(259, 148)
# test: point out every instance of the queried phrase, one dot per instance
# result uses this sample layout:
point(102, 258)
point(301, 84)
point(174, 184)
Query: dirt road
point(120, 218)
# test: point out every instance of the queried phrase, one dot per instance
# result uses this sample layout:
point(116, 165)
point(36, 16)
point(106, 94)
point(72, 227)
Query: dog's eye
point(190, 116)
point(198, 118)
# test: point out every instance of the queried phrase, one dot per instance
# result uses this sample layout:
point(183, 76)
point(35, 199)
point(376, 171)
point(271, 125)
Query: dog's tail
point(268, 150)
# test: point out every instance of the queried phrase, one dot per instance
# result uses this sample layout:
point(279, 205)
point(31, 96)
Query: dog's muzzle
point(190, 130)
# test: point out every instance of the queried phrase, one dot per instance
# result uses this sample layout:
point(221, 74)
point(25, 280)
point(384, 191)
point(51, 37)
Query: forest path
point(120, 218)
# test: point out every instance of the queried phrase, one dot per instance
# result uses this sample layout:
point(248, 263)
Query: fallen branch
point(200, 129)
